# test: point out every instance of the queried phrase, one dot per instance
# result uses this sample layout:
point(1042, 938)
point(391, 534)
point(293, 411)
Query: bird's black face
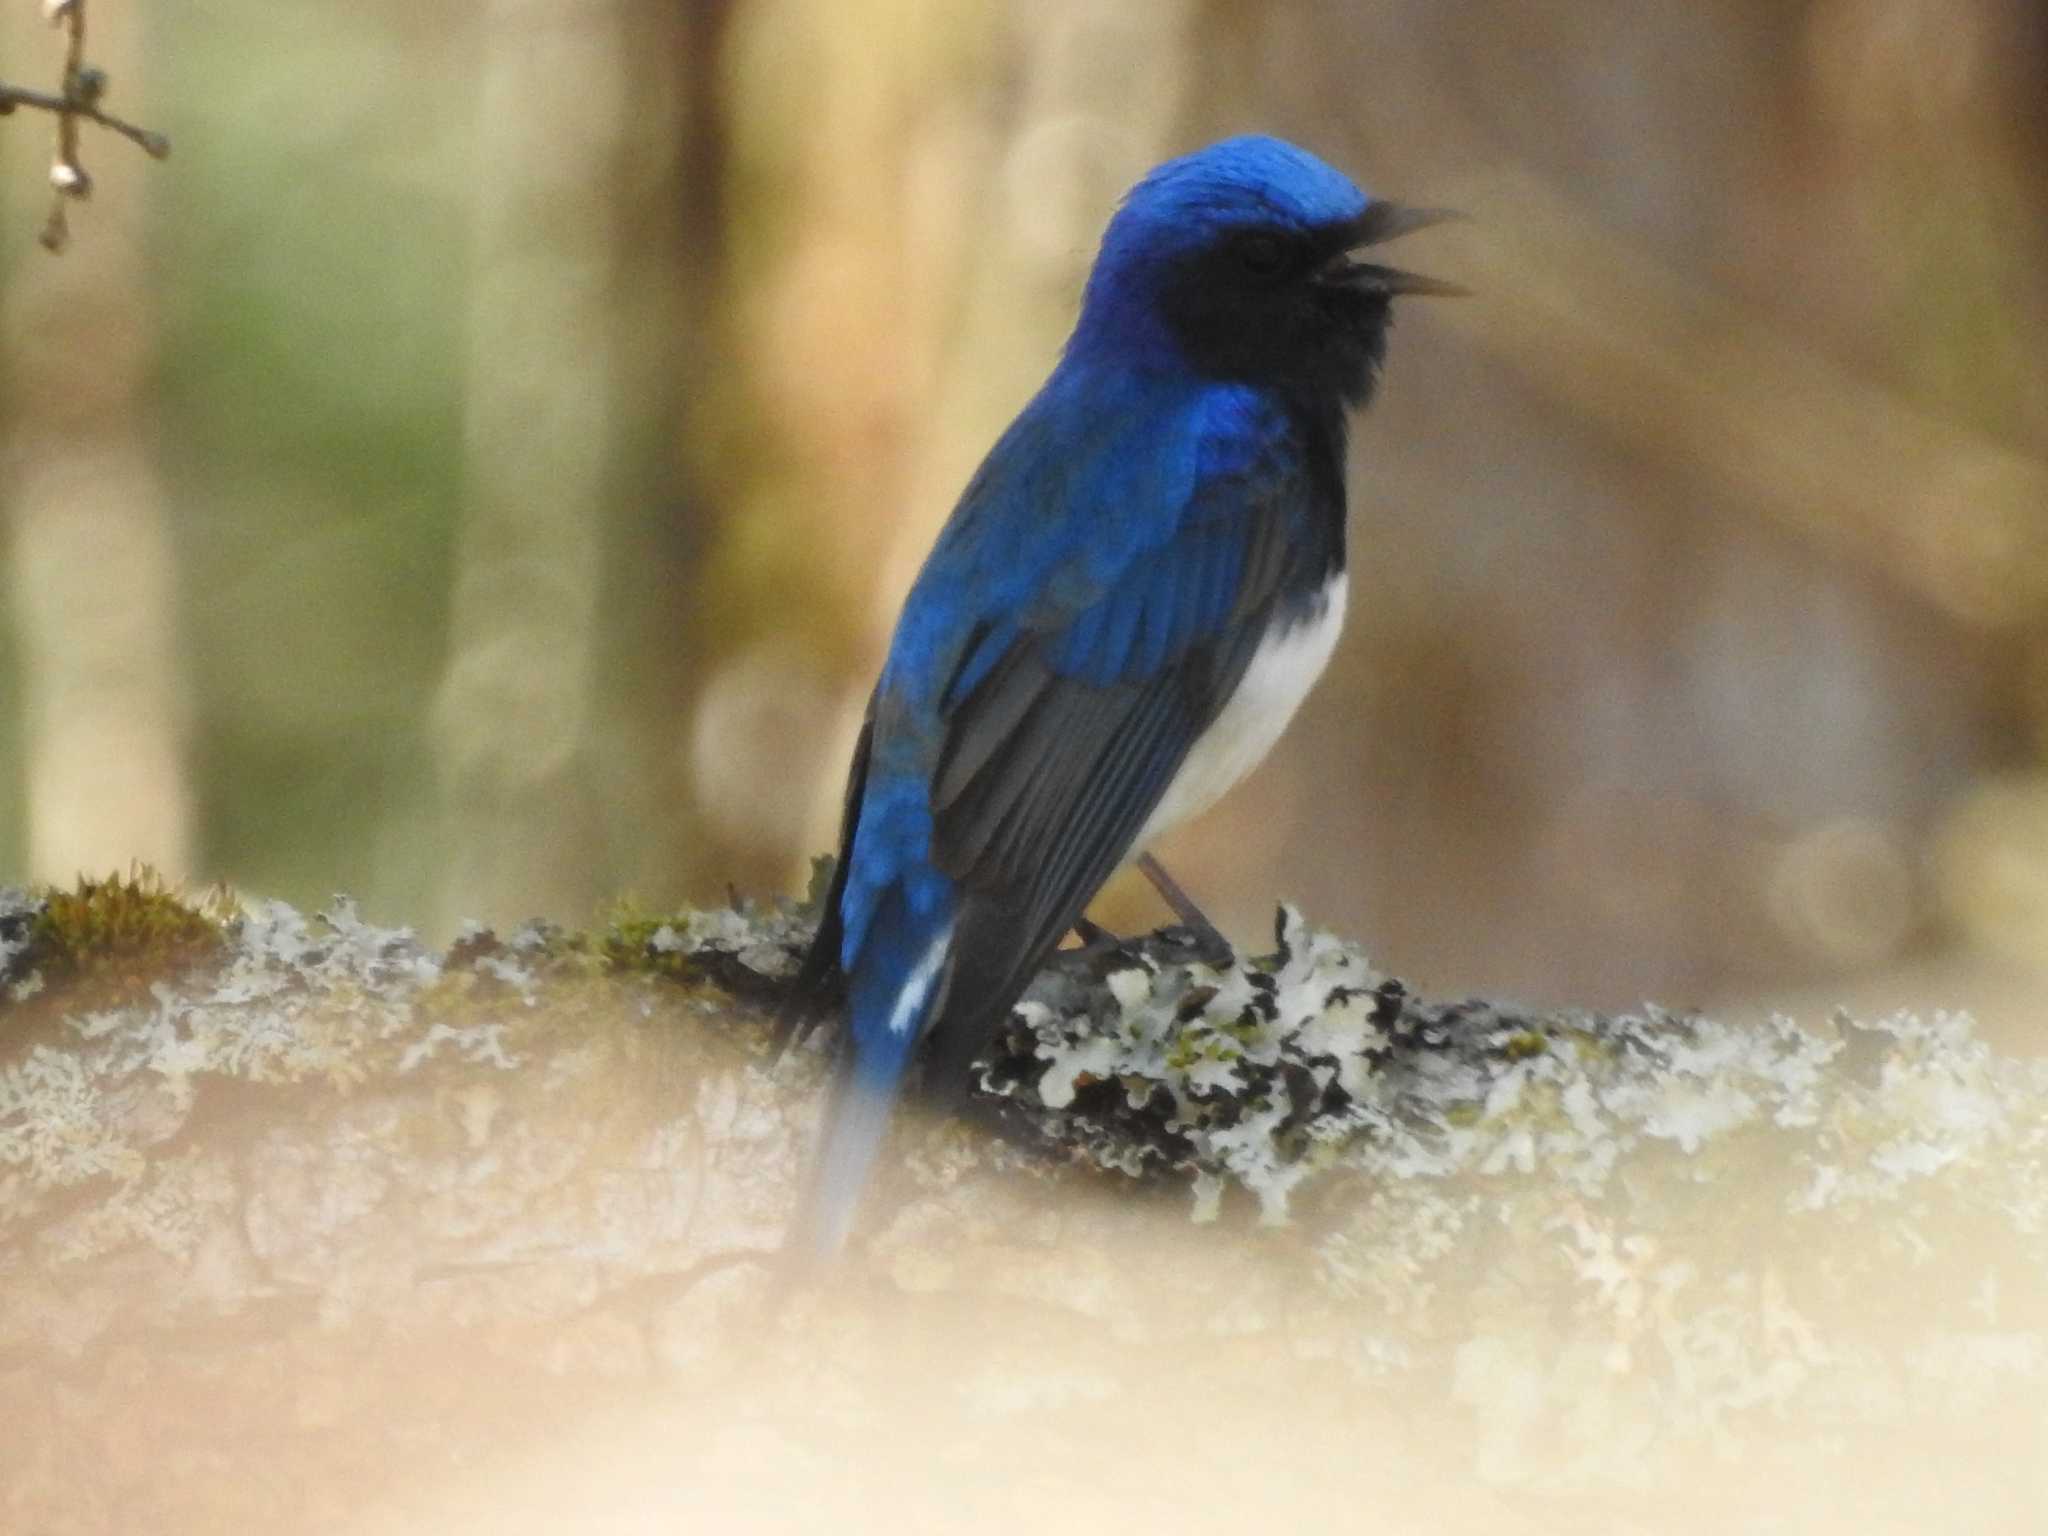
point(1289, 307)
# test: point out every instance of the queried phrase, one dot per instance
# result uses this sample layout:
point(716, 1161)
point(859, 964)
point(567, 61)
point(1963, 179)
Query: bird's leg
point(1210, 945)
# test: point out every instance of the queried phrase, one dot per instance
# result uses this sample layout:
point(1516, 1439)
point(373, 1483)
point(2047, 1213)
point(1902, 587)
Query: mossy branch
point(282, 1194)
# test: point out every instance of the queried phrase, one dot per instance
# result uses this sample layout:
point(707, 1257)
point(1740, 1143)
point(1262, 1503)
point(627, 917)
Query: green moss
point(628, 942)
point(1189, 1046)
point(125, 931)
point(1591, 1048)
point(1244, 1029)
point(1524, 1044)
point(104, 944)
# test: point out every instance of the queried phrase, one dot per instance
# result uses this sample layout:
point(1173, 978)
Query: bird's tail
point(856, 1120)
point(898, 986)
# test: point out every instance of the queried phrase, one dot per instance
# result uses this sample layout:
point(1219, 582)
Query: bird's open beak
point(1381, 222)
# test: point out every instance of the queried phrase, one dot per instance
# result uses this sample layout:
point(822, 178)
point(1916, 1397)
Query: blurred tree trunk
point(854, 134)
point(910, 248)
point(515, 725)
point(679, 401)
point(91, 573)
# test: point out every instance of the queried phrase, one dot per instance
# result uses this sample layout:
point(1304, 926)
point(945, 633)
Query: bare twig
point(152, 142)
point(79, 100)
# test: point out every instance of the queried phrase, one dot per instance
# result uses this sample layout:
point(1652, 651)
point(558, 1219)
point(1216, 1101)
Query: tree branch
point(152, 142)
point(79, 99)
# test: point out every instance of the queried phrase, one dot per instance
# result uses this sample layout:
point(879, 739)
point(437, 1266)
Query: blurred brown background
point(479, 469)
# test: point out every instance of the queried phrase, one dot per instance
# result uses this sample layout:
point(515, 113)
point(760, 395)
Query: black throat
point(1324, 424)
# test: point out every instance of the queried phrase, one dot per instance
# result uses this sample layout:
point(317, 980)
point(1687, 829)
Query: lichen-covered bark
point(331, 1233)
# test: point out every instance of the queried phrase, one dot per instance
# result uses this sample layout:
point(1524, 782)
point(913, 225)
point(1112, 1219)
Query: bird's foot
point(1204, 945)
point(1205, 940)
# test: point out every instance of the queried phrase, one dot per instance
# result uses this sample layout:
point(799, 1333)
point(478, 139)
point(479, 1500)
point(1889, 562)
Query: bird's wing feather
point(1081, 620)
point(1058, 746)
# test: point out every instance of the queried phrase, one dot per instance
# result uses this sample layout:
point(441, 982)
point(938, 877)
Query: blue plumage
point(1133, 594)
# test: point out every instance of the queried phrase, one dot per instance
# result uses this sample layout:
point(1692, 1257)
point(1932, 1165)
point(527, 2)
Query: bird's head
point(1240, 261)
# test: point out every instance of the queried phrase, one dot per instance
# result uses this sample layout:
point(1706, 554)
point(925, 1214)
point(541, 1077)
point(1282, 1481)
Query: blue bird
point(1136, 590)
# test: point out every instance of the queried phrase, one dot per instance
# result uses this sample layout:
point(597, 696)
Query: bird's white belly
point(1283, 669)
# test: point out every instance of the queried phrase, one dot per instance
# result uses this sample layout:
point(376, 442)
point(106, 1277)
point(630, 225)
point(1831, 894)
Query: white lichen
point(1311, 1064)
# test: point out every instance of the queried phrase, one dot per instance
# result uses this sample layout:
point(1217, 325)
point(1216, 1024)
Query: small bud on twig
point(55, 11)
point(71, 180)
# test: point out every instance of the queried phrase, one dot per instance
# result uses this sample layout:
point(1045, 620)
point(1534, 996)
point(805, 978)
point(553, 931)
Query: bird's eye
point(1261, 254)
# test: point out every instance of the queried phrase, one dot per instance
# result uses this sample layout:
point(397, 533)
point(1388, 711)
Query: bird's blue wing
point(1063, 734)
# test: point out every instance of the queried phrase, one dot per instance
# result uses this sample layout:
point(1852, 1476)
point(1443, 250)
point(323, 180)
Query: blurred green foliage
point(311, 419)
